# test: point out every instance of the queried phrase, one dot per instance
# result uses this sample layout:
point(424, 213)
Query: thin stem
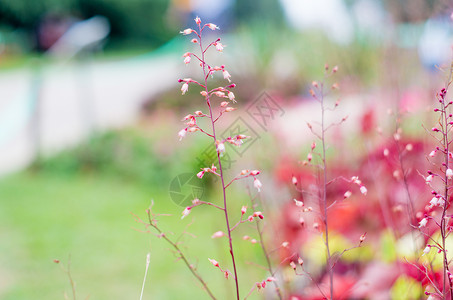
point(146, 274)
point(225, 209)
point(324, 192)
point(152, 223)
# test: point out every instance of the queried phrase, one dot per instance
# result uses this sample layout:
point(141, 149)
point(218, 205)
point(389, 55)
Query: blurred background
point(90, 108)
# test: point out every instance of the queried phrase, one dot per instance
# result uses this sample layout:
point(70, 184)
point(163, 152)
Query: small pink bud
point(427, 249)
point(194, 41)
point(314, 83)
point(258, 214)
point(214, 262)
point(285, 244)
point(428, 179)
point(294, 180)
point(184, 88)
point(196, 201)
point(230, 109)
point(432, 153)
point(363, 190)
point(224, 103)
point(435, 129)
point(316, 225)
point(270, 279)
point(409, 147)
point(335, 69)
point(212, 26)
point(243, 210)
point(193, 129)
point(219, 46)
point(254, 172)
point(226, 75)
point(187, 60)
point(199, 113)
point(253, 241)
point(186, 212)
point(449, 173)
point(250, 219)
point(203, 93)
point(245, 237)
point(218, 234)
point(257, 184)
point(423, 222)
point(300, 261)
point(244, 172)
point(386, 152)
point(362, 237)
point(200, 174)
point(347, 194)
point(313, 146)
point(221, 148)
point(182, 133)
point(186, 31)
point(226, 274)
point(198, 20)
point(292, 265)
point(309, 157)
point(301, 221)
point(298, 203)
point(231, 96)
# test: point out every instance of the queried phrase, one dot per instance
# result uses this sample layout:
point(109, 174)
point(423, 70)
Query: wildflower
point(226, 75)
point(270, 279)
point(335, 69)
point(362, 238)
point(254, 172)
point(386, 152)
point(223, 104)
point(243, 210)
point(231, 96)
point(285, 244)
point(253, 241)
point(347, 194)
point(313, 146)
point(186, 212)
point(449, 173)
point(432, 153)
point(409, 147)
point(221, 149)
point(245, 237)
point(309, 157)
point(294, 180)
point(363, 190)
point(428, 179)
point(214, 262)
point(292, 265)
point(184, 88)
point(258, 214)
point(218, 234)
point(187, 60)
point(230, 109)
point(187, 31)
point(218, 46)
point(423, 222)
point(212, 26)
point(194, 41)
point(257, 184)
point(301, 221)
point(300, 261)
point(198, 20)
point(182, 133)
point(200, 174)
point(298, 203)
point(427, 249)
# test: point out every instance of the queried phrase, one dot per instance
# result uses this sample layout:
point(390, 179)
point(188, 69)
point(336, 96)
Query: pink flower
point(292, 265)
point(198, 20)
point(243, 210)
point(231, 96)
point(187, 31)
point(200, 174)
point(184, 88)
point(294, 180)
point(423, 222)
point(270, 279)
point(186, 212)
point(258, 214)
point(218, 234)
point(298, 203)
point(182, 133)
point(221, 149)
point(257, 184)
point(187, 60)
point(432, 153)
point(347, 194)
point(363, 190)
point(212, 26)
point(428, 179)
point(219, 46)
point(386, 152)
point(449, 173)
point(226, 75)
point(214, 262)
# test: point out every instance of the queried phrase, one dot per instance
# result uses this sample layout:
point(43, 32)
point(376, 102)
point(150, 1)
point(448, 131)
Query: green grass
point(47, 216)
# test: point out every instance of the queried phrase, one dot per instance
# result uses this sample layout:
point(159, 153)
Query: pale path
point(75, 99)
